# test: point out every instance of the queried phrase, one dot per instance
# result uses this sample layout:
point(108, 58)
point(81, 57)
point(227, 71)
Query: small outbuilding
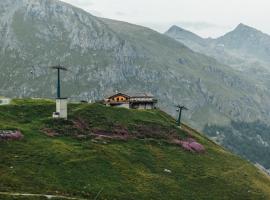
point(4, 101)
point(142, 101)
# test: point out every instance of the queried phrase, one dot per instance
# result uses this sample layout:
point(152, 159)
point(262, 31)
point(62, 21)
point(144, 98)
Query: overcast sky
point(208, 18)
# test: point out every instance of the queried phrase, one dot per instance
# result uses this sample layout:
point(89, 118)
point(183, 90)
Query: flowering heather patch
point(186, 146)
point(190, 144)
point(197, 147)
point(10, 135)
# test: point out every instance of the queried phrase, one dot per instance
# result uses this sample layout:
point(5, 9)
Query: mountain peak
point(243, 27)
point(183, 35)
point(175, 28)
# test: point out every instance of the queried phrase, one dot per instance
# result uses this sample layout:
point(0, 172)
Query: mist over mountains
point(211, 77)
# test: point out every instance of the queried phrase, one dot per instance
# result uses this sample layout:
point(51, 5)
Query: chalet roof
point(144, 95)
point(119, 94)
point(133, 95)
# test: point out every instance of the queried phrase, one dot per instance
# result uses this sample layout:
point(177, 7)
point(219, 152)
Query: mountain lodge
point(141, 101)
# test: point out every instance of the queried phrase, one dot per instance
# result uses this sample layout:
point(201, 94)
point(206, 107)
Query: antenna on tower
point(59, 68)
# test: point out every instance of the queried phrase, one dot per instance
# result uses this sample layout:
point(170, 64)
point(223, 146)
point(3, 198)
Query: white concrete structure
point(4, 101)
point(61, 109)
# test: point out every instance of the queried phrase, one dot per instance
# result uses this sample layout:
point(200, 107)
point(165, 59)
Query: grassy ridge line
point(196, 133)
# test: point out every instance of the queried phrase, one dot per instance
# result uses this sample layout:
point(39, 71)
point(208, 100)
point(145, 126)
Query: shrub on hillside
point(10, 135)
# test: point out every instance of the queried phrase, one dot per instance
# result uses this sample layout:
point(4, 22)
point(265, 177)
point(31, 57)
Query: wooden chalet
point(142, 101)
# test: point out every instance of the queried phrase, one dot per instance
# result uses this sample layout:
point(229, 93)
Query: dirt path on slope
point(39, 195)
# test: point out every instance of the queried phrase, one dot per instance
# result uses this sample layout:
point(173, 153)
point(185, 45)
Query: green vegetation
point(103, 55)
point(252, 142)
point(116, 169)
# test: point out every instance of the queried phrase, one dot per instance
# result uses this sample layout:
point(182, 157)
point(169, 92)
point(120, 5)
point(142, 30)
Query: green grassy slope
point(117, 169)
point(105, 55)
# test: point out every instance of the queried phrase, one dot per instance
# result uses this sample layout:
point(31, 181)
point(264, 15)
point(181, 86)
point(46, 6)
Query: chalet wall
point(119, 98)
point(123, 105)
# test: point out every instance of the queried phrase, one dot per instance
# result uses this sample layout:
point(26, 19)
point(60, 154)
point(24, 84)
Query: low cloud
point(206, 18)
point(204, 28)
point(119, 13)
point(198, 25)
point(95, 13)
point(80, 3)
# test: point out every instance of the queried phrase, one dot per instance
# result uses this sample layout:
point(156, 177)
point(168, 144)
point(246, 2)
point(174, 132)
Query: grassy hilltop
point(65, 158)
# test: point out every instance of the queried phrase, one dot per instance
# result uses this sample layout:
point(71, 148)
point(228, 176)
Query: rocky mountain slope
point(104, 55)
point(247, 41)
point(244, 49)
point(115, 153)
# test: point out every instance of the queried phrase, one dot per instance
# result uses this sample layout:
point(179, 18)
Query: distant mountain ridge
point(245, 49)
point(244, 42)
point(182, 34)
point(247, 40)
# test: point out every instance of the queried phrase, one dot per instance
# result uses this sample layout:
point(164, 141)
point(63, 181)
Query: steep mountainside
point(246, 50)
point(188, 38)
point(71, 159)
point(247, 41)
point(104, 55)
